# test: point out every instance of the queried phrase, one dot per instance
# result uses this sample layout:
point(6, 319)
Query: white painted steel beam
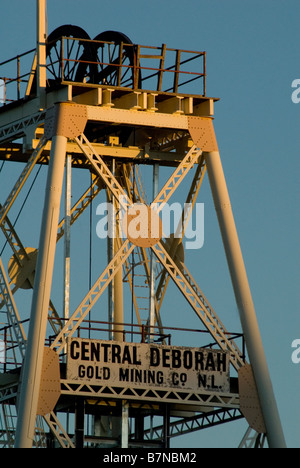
point(244, 300)
point(209, 399)
point(67, 243)
point(103, 171)
point(32, 367)
point(129, 117)
point(41, 49)
point(152, 266)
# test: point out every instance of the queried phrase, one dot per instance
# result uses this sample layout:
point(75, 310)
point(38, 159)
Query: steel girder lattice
point(112, 125)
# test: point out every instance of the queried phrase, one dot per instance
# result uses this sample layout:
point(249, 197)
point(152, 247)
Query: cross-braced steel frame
point(85, 127)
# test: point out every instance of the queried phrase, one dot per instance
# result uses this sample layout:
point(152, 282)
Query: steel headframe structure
point(109, 106)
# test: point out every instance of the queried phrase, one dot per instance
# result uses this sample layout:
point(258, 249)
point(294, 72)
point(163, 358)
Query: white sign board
point(143, 365)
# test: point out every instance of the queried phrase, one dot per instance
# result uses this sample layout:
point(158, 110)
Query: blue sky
point(252, 59)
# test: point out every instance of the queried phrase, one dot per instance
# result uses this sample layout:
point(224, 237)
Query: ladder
point(157, 70)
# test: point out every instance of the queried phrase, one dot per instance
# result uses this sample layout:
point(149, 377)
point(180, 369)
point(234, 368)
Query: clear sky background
point(252, 58)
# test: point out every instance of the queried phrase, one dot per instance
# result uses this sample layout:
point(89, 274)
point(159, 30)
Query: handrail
point(186, 66)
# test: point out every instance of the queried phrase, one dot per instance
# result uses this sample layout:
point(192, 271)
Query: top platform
point(108, 72)
point(85, 63)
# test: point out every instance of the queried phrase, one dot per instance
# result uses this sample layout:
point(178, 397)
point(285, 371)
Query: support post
point(63, 121)
point(118, 328)
point(125, 425)
point(167, 427)
point(32, 368)
point(244, 300)
point(67, 244)
point(110, 256)
point(139, 428)
point(152, 266)
point(79, 423)
point(115, 294)
point(41, 49)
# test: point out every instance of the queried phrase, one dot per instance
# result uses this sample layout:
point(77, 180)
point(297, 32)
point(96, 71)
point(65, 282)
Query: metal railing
point(130, 332)
point(15, 77)
point(167, 70)
point(86, 62)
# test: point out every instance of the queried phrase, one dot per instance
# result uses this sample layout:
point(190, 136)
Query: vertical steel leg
point(32, 368)
point(152, 266)
point(118, 279)
point(41, 49)
point(125, 425)
point(79, 423)
point(67, 244)
point(244, 300)
point(167, 427)
point(110, 256)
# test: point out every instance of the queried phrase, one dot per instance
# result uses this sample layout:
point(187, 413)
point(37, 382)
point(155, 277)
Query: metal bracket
point(65, 119)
